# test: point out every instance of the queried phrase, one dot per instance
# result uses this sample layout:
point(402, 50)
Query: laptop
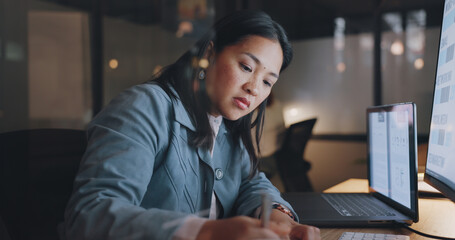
point(392, 177)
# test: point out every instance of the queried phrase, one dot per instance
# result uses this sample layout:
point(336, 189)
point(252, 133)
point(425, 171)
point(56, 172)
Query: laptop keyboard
point(355, 205)
point(371, 236)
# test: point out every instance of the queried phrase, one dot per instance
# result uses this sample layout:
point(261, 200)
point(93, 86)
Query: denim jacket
point(139, 177)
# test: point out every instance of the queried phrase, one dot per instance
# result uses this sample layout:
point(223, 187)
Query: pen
point(266, 210)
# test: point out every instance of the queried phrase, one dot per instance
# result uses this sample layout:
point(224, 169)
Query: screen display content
point(389, 151)
point(440, 166)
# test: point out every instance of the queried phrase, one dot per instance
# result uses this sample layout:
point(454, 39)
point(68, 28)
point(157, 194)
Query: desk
point(436, 215)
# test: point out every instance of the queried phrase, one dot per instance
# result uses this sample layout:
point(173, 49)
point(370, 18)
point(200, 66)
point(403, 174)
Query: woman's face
point(242, 75)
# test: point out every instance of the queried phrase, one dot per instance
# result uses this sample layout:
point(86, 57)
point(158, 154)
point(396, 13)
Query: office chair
point(38, 168)
point(292, 167)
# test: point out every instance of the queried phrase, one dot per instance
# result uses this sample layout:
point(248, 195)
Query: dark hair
point(181, 75)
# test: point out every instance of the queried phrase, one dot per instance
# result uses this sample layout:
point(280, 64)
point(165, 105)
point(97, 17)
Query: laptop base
point(314, 210)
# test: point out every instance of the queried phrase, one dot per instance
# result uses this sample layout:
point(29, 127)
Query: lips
point(242, 103)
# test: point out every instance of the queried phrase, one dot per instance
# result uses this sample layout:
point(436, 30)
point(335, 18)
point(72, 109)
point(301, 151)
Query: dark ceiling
point(315, 18)
point(301, 18)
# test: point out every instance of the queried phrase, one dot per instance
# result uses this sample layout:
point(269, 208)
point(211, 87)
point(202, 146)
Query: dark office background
point(61, 61)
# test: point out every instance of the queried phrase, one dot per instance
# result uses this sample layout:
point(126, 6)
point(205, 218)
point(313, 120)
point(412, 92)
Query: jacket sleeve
point(251, 191)
point(116, 170)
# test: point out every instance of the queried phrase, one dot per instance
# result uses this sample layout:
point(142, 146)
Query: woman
point(165, 155)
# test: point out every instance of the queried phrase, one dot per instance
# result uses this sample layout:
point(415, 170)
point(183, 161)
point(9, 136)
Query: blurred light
point(397, 48)
point(184, 28)
point(419, 17)
point(203, 63)
point(296, 112)
point(366, 42)
point(340, 23)
point(419, 63)
point(113, 63)
point(293, 112)
point(291, 115)
point(157, 69)
point(415, 31)
point(339, 39)
point(415, 39)
point(394, 21)
point(194, 62)
point(341, 67)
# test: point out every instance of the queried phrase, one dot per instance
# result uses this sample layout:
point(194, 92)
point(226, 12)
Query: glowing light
point(157, 69)
point(419, 63)
point(203, 63)
point(397, 48)
point(184, 27)
point(293, 112)
point(416, 39)
point(393, 20)
point(341, 67)
point(339, 38)
point(113, 63)
point(366, 42)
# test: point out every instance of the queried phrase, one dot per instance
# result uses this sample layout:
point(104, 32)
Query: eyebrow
point(259, 62)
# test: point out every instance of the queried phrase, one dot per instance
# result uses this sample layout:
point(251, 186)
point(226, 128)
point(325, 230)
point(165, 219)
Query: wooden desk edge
point(350, 185)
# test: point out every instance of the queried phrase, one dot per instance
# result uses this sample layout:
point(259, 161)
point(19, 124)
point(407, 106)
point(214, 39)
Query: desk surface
point(436, 215)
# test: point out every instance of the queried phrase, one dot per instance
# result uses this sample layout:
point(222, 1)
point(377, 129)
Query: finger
point(265, 233)
point(249, 221)
point(274, 231)
point(314, 233)
point(305, 232)
point(282, 229)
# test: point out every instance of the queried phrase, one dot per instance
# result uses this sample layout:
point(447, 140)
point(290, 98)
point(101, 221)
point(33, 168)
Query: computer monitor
point(440, 166)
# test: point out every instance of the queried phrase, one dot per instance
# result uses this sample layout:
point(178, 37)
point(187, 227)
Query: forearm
point(190, 229)
point(241, 227)
point(250, 195)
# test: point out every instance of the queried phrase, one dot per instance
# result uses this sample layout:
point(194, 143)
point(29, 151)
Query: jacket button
point(219, 174)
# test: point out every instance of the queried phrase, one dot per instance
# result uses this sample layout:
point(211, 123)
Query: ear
point(210, 52)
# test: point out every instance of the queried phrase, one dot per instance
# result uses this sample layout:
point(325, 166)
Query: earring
point(202, 74)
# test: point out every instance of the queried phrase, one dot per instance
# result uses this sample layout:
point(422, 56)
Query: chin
point(231, 118)
point(235, 116)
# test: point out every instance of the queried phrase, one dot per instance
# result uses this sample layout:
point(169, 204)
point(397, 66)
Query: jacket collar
point(181, 115)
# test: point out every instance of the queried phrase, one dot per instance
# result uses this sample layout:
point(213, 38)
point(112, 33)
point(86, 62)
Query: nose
point(251, 87)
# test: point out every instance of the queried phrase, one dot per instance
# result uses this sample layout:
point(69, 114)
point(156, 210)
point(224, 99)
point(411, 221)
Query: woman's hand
point(242, 227)
point(298, 231)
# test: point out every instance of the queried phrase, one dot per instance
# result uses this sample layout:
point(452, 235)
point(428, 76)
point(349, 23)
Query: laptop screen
point(440, 165)
point(392, 156)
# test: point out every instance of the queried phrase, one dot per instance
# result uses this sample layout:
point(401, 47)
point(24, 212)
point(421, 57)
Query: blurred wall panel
point(59, 74)
point(331, 84)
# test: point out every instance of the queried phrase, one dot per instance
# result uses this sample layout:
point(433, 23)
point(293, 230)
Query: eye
point(267, 83)
point(245, 67)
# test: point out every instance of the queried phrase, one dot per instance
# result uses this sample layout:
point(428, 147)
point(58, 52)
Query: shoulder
point(143, 98)
point(143, 94)
point(142, 113)
point(141, 105)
